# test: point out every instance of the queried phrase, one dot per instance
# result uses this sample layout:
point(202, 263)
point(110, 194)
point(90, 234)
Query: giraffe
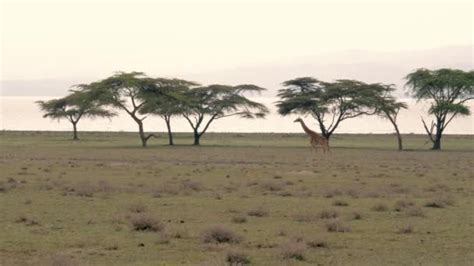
point(315, 138)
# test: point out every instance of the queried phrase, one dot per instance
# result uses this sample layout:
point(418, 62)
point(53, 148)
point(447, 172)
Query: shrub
point(380, 207)
point(144, 222)
point(340, 203)
point(439, 203)
point(235, 257)
point(272, 186)
point(317, 243)
point(27, 220)
point(192, 185)
point(293, 250)
point(21, 219)
point(328, 214)
point(356, 215)
point(285, 194)
point(84, 190)
point(352, 193)
point(258, 212)
point(402, 204)
point(337, 227)
point(219, 234)
point(240, 218)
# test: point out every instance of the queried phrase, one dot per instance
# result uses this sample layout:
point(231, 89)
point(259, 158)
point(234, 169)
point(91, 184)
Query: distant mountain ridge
point(386, 67)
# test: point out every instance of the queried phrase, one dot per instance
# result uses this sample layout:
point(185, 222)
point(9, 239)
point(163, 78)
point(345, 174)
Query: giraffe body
point(314, 138)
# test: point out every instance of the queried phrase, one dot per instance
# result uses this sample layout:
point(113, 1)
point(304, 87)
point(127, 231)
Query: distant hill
point(386, 67)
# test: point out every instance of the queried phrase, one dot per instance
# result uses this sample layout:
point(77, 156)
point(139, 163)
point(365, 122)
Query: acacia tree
point(329, 103)
point(125, 91)
point(169, 105)
point(73, 107)
point(448, 90)
point(207, 104)
point(387, 106)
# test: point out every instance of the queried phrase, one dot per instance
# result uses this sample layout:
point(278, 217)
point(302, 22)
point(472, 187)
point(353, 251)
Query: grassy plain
point(79, 203)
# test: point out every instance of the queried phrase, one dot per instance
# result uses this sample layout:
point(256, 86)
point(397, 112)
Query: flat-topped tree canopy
point(167, 99)
point(328, 102)
point(387, 106)
point(443, 84)
point(449, 90)
point(131, 91)
point(219, 101)
point(74, 106)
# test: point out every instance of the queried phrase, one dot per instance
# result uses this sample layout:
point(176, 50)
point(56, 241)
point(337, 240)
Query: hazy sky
point(55, 39)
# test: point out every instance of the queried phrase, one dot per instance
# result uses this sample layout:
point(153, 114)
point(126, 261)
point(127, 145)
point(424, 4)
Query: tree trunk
point(439, 134)
point(142, 133)
point(437, 142)
point(397, 131)
point(170, 135)
point(327, 136)
point(74, 126)
point(399, 138)
point(196, 138)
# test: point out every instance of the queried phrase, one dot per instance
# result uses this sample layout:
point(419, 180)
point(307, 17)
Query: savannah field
point(259, 198)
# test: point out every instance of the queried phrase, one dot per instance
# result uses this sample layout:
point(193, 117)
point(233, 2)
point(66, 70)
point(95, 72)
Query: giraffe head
point(298, 120)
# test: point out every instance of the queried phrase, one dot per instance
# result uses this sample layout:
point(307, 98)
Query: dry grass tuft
point(27, 220)
point(380, 207)
point(192, 185)
point(146, 222)
point(328, 214)
point(258, 212)
point(293, 250)
point(402, 204)
point(272, 186)
point(239, 219)
point(353, 193)
point(439, 202)
point(219, 234)
point(237, 257)
point(317, 243)
point(340, 203)
point(337, 226)
point(356, 215)
point(83, 189)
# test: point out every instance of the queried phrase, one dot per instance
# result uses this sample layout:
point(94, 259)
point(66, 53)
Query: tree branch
point(207, 124)
point(189, 121)
point(429, 131)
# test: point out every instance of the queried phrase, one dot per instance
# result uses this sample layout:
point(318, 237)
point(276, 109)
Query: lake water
point(21, 113)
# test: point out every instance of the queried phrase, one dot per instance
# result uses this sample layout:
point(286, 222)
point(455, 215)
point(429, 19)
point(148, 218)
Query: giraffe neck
point(305, 128)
